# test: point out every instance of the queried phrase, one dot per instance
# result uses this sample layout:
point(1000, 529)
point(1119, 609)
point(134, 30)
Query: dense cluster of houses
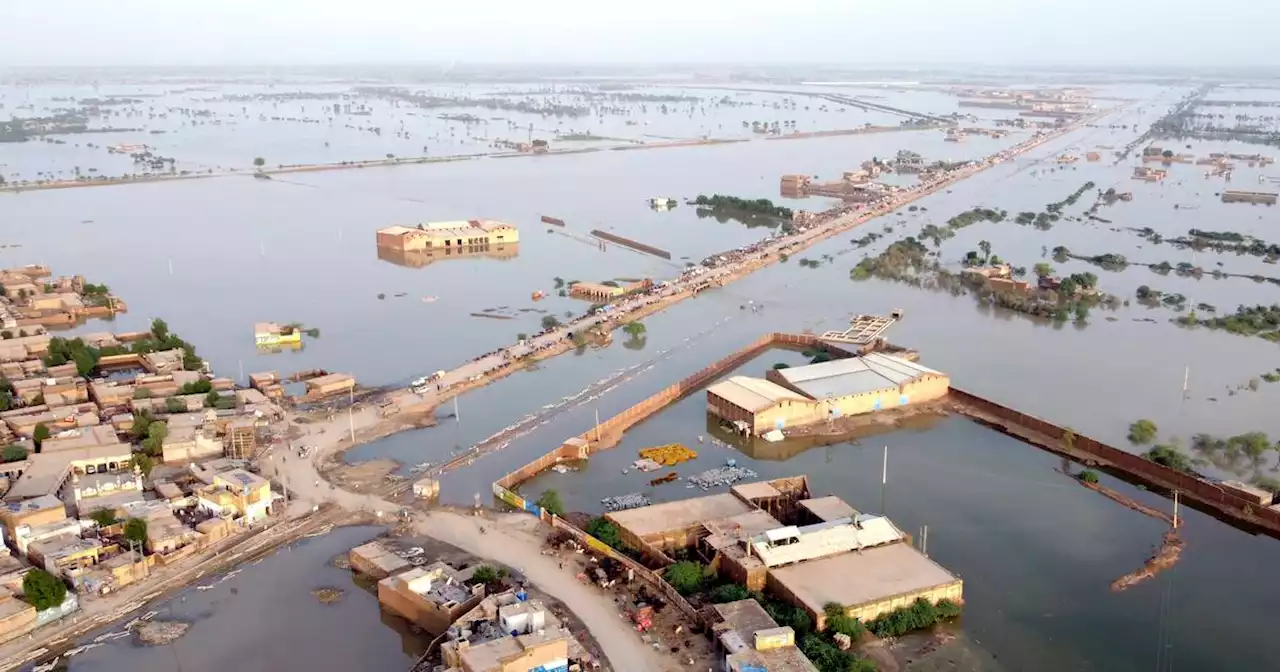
point(107, 476)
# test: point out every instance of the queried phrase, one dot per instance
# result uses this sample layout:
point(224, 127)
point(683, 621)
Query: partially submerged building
point(807, 551)
point(431, 597)
point(447, 235)
point(804, 395)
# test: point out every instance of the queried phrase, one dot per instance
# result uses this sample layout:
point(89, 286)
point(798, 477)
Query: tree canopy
point(604, 530)
point(1142, 431)
point(550, 502)
point(135, 530)
point(43, 590)
point(685, 576)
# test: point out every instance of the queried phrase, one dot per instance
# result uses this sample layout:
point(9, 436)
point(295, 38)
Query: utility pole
point(456, 415)
point(924, 543)
point(1175, 509)
point(351, 419)
point(597, 425)
point(884, 480)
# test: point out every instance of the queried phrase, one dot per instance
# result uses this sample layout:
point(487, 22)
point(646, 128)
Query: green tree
point(635, 329)
point(104, 517)
point(603, 529)
point(13, 453)
point(550, 502)
point(211, 399)
point(488, 575)
point(685, 576)
point(549, 322)
point(985, 246)
point(1043, 269)
point(39, 434)
point(141, 393)
point(135, 530)
point(259, 162)
point(145, 463)
point(729, 592)
point(43, 590)
point(153, 445)
point(1088, 476)
point(1142, 432)
point(160, 329)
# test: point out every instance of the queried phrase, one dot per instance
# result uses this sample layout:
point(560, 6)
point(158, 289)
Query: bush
point(175, 405)
point(104, 517)
point(600, 528)
point(550, 502)
point(196, 387)
point(13, 453)
point(488, 575)
point(729, 592)
point(1088, 476)
point(549, 322)
point(135, 530)
point(838, 620)
point(921, 614)
point(39, 434)
point(142, 393)
point(685, 576)
point(1142, 431)
point(43, 590)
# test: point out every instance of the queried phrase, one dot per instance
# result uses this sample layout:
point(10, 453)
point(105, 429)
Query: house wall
point(869, 611)
point(546, 656)
point(924, 389)
point(396, 597)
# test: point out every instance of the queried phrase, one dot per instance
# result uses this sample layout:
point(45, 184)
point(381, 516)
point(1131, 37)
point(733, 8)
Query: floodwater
point(265, 618)
point(1036, 550)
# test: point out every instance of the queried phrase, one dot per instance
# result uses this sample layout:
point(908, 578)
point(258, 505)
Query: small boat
point(772, 436)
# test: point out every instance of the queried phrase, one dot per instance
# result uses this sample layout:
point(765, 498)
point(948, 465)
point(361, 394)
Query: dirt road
point(508, 540)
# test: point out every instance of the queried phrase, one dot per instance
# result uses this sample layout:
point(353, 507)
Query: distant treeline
point(759, 206)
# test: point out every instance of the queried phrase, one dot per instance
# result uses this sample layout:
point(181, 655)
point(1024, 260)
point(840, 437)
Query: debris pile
point(328, 595)
point(720, 476)
point(669, 455)
point(632, 500)
point(159, 633)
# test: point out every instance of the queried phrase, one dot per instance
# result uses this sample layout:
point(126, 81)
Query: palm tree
point(985, 246)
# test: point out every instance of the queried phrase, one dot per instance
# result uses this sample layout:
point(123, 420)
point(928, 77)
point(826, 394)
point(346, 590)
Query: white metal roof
point(855, 375)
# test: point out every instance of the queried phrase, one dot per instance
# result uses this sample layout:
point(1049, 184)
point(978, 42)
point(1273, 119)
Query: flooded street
point(264, 617)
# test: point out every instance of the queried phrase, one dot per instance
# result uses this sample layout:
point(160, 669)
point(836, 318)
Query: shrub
point(838, 620)
point(685, 576)
point(135, 530)
point(1142, 431)
point(13, 453)
point(1088, 476)
point(38, 435)
point(175, 405)
point(43, 590)
point(488, 575)
point(550, 502)
point(104, 517)
point(600, 528)
point(921, 614)
point(729, 592)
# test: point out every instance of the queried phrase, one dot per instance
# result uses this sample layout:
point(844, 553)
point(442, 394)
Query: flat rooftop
point(678, 515)
point(854, 579)
point(828, 508)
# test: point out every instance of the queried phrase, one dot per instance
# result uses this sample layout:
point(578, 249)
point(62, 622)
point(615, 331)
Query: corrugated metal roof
point(855, 375)
point(752, 394)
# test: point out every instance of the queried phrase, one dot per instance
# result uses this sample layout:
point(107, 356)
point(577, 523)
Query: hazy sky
point(1015, 32)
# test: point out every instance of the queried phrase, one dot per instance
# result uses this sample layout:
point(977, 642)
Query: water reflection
point(421, 258)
